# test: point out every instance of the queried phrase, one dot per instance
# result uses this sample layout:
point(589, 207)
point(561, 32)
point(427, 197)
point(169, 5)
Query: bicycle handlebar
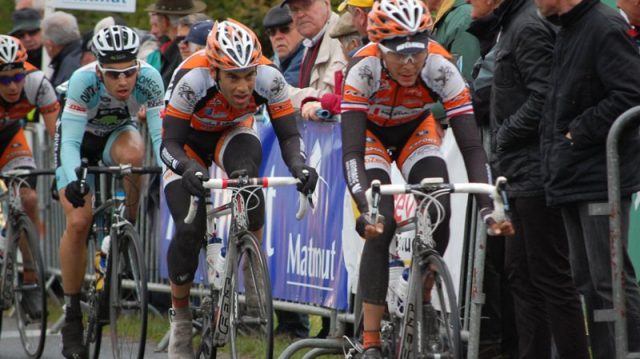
point(220, 183)
point(429, 185)
point(23, 172)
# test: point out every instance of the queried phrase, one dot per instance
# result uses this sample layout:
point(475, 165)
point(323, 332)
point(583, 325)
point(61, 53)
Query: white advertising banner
point(95, 5)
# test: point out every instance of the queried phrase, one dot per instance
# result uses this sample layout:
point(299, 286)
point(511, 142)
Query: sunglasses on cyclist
point(273, 31)
point(399, 57)
point(115, 74)
point(8, 80)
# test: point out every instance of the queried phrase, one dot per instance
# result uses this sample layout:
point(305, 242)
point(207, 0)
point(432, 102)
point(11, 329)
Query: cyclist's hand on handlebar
point(75, 194)
point(308, 178)
point(366, 228)
point(193, 177)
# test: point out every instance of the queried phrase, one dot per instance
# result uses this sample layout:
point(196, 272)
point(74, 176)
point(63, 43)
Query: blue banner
point(305, 257)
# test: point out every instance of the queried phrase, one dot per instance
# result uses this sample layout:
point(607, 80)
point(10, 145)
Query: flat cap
point(277, 16)
point(343, 27)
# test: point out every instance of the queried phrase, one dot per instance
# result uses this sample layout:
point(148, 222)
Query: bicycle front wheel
point(254, 319)
point(435, 323)
point(29, 284)
point(128, 295)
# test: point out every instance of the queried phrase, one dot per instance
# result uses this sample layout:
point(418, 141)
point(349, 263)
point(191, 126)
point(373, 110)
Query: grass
point(158, 326)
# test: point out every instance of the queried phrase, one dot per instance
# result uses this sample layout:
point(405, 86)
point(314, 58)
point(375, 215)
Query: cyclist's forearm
point(475, 159)
point(290, 141)
point(353, 128)
point(154, 124)
point(172, 151)
point(72, 132)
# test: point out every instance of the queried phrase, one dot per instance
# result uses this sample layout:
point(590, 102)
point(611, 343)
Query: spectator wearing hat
point(163, 17)
point(350, 40)
point(184, 28)
point(359, 10)
point(197, 38)
point(323, 57)
point(26, 27)
point(38, 5)
point(286, 42)
point(63, 45)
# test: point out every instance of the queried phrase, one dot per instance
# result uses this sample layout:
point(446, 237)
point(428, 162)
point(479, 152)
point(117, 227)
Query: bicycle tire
point(257, 317)
point(93, 322)
point(32, 344)
point(414, 331)
point(128, 306)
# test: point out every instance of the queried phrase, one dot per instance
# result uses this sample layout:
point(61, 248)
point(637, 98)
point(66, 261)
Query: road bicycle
point(425, 329)
point(22, 272)
point(224, 312)
point(116, 295)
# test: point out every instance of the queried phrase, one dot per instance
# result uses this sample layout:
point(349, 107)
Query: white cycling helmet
point(115, 44)
point(399, 19)
point(232, 46)
point(11, 51)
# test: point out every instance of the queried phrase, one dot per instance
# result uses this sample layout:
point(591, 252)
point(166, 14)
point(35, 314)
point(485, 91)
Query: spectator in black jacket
point(537, 258)
point(594, 79)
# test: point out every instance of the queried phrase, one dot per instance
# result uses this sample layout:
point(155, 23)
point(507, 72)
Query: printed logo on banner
point(96, 5)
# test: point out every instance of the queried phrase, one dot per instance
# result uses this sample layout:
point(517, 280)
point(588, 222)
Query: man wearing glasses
point(26, 27)
point(99, 122)
point(286, 42)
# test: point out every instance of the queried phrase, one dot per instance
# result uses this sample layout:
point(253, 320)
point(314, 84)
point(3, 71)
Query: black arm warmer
point(174, 136)
point(354, 126)
point(475, 159)
point(290, 141)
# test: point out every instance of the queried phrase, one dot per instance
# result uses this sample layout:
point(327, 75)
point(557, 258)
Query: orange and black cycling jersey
point(369, 88)
point(37, 92)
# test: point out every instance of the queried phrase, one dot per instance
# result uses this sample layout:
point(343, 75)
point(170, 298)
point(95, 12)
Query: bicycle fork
point(223, 321)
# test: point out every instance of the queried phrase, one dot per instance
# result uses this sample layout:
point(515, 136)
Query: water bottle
point(396, 267)
point(219, 268)
point(214, 246)
point(401, 290)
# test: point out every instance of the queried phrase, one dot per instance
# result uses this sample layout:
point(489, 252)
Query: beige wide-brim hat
point(177, 7)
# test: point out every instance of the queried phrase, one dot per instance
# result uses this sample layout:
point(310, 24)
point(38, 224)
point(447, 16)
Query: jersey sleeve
point(40, 92)
point(185, 93)
point(443, 77)
point(150, 89)
point(271, 85)
point(361, 81)
point(82, 91)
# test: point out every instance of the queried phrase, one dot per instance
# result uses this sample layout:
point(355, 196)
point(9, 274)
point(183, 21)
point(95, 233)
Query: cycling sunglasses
point(7, 80)
point(399, 57)
point(272, 31)
point(115, 74)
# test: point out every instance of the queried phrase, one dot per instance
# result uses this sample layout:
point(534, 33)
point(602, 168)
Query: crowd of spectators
point(548, 78)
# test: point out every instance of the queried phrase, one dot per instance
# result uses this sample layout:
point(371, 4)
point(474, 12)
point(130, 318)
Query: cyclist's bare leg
point(73, 246)
point(128, 148)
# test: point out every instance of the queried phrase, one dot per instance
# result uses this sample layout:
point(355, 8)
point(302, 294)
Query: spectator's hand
point(568, 136)
point(502, 228)
point(366, 228)
point(142, 114)
point(308, 178)
point(75, 195)
point(193, 177)
point(309, 110)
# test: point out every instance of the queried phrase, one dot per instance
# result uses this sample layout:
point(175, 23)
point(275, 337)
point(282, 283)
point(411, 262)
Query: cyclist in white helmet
point(209, 117)
point(23, 88)
point(99, 123)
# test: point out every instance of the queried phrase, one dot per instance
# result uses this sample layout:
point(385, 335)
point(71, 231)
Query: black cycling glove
point(193, 177)
point(75, 195)
point(308, 178)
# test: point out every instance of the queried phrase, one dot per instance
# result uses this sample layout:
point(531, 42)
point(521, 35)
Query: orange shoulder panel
point(370, 49)
point(198, 60)
point(435, 48)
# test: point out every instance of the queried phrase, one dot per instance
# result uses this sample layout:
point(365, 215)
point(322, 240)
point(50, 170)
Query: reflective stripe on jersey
point(36, 93)
point(195, 96)
point(369, 88)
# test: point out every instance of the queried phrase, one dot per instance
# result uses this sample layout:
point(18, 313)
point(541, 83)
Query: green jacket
point(450, 30)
